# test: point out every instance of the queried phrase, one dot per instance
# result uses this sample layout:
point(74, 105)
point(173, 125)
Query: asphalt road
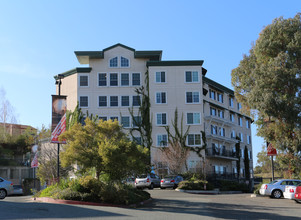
point(166, 204)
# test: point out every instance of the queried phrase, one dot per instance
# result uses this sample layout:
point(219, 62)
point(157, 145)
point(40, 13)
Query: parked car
point(6, 188)
point(18, 190)
point(289, 192)
point(170, 182)
point(129, 181)
point(276, 188)
point(147, 181)
point(298, 194)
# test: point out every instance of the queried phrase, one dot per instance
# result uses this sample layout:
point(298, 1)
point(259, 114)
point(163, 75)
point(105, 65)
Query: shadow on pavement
point(34, 210)
point(216, 210)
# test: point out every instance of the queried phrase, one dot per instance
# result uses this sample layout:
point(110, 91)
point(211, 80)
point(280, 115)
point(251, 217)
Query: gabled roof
point(84, 56)
point(75, 70)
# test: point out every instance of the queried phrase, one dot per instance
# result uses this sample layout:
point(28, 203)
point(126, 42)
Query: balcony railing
point(222, 175)
point(221, 153)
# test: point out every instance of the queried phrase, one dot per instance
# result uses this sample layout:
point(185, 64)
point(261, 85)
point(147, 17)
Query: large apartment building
point(106, 87)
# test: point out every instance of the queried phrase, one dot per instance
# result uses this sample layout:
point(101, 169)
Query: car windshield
point(169, 177)
point(273, 182)
point(142, 176)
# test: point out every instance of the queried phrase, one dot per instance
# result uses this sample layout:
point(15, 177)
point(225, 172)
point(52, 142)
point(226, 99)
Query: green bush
point(256, 188)
point(226, 185)
point(195, 185)
point(92, 190)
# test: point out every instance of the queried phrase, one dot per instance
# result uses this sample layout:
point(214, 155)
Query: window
point(125, 79)
point(192, 97)
point(194, 139)
point(242, 153)
point(193, 118)
point(212, 111)
point(213, 129)
point(125, 101)
point(125, 121)
point(124, 62)
point(102, 79)
point(161, 119)
point(192, 76)
point(222, 132)
point(212, 94)
point(161, 97)
point(241, 137)
point(114, 62)
point(238, 106)
point(160, 77)
point(162, 140)
point(248, 124)
point(239, 121)
point(136, 79)
point(220, 97)
point(221, 113)
point(136, 121)
point(250, 154)
point(102, 101)
point(136, 100)
point(104, 118)
point(83, 101)
point(114, 118)
point(113, 79)
point(232, 117)
point(83, 81)
point(113, 101)
point(138, 140)
point(231, 102)
point(248, 139)
point(233, 134)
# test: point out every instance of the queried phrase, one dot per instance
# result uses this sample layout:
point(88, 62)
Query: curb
point(73, 202)
point(204, 192)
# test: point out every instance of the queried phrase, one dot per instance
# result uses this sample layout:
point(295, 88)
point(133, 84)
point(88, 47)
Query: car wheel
point(298, 201)
point(151, 186)
point(277, 194)
point(2, 193)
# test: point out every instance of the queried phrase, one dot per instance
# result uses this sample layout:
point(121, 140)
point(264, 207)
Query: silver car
point(147, 181)
point(170, 182)
point(6, 188)
point(276, 188)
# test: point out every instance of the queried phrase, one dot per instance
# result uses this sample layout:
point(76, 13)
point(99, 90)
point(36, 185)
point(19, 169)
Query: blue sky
point(38, 40)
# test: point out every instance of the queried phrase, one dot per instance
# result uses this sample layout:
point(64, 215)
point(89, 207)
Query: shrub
point(195, 185)
point(226, 185)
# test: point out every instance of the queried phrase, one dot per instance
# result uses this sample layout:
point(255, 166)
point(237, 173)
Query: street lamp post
point(58, 82)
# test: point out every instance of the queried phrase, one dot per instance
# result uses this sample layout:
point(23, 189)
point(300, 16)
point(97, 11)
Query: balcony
point(220, 153)
point(219, 120)
point(221, 175)
point(221, 138)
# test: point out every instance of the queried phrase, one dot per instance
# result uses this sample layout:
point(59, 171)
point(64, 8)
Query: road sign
point(271, 151)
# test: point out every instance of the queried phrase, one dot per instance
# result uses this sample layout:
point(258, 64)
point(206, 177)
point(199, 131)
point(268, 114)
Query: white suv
point(147, 181)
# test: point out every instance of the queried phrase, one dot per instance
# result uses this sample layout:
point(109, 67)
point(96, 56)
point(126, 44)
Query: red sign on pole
point(271, 151)
point(34, 162)
point(59, 129)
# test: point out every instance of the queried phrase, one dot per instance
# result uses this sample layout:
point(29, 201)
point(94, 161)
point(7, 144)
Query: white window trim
point(83, 74)
point(120, 98)
point(98, 80)
point(109, 118)
point(131, 80)
point(193, 118)
point(118, 80)
point(194, 139)
point(192, 76)
point(129, 121)
point(98, 102)
point(166, 119)
point(88, 101)
point(133, 101)
point(193, 103)
point(117, 62)
point(157, 140)
point(109, 101)
point(121, 79)
point(160, 77)
point(165, 98)
point(124, 66)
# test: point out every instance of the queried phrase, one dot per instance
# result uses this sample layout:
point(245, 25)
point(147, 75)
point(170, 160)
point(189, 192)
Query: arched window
point(114, 62)
point(124, 62)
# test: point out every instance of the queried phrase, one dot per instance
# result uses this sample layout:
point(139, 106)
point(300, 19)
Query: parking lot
point(166, 204)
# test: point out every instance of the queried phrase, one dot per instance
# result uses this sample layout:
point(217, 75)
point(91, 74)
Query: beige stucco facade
point(112, 78)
